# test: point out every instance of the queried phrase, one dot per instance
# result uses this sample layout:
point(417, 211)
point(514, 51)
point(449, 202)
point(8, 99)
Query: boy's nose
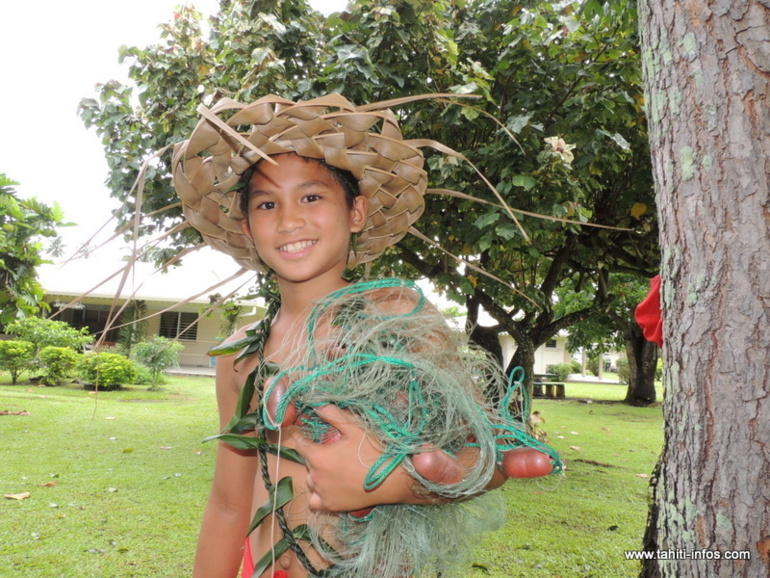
point(291, 220)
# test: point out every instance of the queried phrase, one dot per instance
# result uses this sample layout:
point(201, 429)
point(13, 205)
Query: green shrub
point(15, 357)
point(157, 354)
point(107, 370)
point(624, 373)
point(577, 367)
point(143, 375)
point(562, 370)
point(47, 332)
point(659, 369)
point(592, 365)
point(57, 363)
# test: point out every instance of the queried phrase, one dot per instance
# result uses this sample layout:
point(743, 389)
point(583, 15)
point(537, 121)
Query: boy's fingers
point(335, 417)
point(438, 467)
point(441, 468)
point(526, 463)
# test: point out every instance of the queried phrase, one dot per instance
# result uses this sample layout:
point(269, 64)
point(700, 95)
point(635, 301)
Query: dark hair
point(344, 178)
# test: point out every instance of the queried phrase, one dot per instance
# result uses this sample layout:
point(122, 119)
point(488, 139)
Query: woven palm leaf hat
point(365, 140)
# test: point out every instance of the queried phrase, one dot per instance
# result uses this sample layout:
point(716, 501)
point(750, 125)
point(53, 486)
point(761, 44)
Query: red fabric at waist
point(248, 564)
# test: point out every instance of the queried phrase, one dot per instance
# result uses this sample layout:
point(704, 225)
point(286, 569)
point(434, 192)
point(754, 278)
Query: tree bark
point(524, 357)
point(642, 358)
point(707, 73)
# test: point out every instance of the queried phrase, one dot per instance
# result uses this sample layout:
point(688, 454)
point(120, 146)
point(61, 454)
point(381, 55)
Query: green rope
point(389, 370)
point(334, 381)
point(244, 421)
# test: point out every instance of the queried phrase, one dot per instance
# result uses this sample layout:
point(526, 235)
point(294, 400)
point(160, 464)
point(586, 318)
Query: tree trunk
point(642, 358)
point(524, 357)
point(707, 73)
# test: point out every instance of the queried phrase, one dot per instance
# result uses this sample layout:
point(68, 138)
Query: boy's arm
point(228, 511)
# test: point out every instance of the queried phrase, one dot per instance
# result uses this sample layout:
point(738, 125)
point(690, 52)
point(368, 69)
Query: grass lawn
point(117, 484)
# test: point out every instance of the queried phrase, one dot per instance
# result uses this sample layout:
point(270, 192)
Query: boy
point(302, 216)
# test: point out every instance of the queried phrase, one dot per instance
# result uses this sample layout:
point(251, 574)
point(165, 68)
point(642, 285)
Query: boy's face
point(299, 219)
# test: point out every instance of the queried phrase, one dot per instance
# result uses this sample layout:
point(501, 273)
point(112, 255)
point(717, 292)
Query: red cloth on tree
point(648, 314)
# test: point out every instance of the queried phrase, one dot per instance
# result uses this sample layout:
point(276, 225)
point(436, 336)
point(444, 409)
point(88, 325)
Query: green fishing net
point(381, 352)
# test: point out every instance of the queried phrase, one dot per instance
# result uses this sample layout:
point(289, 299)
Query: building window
point(178, 325)
point(551, 344)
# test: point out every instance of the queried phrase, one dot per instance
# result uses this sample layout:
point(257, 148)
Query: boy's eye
point(312, 197)
point(265, 205)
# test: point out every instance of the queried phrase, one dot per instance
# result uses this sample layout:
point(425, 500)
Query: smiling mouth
point(296, 247)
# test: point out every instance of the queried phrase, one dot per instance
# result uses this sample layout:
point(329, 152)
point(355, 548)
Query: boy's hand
point(337, 465)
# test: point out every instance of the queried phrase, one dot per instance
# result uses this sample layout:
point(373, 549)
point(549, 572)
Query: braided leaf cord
point(244, 421)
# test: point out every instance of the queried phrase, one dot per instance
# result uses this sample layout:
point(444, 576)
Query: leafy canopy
point(23, 225)
point(563, 79)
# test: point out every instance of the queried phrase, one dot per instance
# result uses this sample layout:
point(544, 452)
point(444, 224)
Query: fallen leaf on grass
point(109, 417)
point(21, 496)
point(166, 447)
point(642, 475)
point(576, 448)
point(8, 412)
point(49, 484)
point(198, 452)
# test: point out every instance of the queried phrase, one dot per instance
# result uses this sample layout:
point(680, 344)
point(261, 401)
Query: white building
point(552, 352)
point(85, 292)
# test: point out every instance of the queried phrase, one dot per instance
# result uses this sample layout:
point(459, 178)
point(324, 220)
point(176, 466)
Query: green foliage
point(659, 369)
point(158, 354)
point(563, 78)
point(592, 364)
point(144, 375)
point(624, 373)
point(106, 370)
point(605, 332)
point(133, 325)
point(15, 357)
point(229, 313)
point(23, 223)
point(58, 363)
point(49, 332)
point(562, 370)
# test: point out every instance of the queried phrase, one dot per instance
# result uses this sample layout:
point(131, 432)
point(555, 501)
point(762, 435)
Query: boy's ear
point(358, 214)
point(245, 228)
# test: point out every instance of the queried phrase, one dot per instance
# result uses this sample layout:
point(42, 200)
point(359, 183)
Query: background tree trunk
point(707, 73)
point(642, 358)
point(524, 357)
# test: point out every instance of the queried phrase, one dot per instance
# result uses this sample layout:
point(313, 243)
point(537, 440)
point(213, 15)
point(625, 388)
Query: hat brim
point(231, 137)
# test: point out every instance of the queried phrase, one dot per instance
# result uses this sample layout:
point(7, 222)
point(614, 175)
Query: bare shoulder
point(231, 371)
point(400, 299)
